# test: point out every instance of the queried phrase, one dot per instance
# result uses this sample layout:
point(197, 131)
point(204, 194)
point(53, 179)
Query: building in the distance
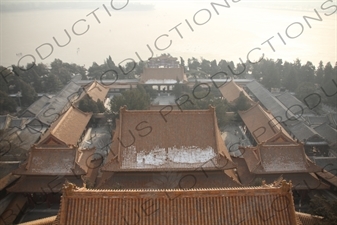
point(162, 73)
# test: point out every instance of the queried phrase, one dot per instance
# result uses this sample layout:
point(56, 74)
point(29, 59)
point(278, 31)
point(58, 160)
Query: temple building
point(163, 61)
point(231, 92)
point(260, 124)
point(56, 158)
point(162, 73)
point(95, 90)
point(276, 159)
point(266, 204)
point(170, 149)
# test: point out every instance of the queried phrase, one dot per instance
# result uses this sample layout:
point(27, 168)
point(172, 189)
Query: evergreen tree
point(87, 104)
point(134, 99)
point(7, 104)
point(100, 106)
point(327, 209)
point(241, 103)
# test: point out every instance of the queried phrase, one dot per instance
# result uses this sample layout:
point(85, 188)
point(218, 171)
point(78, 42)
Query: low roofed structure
point(326, 131)
point(35, 108)
point(333, 119)
point(97, 91)
point(270, 102)
point(56, 157)
point(261, 124)
point(46, 169)
point(314, 121)
point(278, 157)
point(294, 105)
point(67, 129)
point(231, 91)
point(302, 132)
point(59, 103)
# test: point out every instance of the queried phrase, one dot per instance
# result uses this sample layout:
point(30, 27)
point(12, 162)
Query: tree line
point(302, 79)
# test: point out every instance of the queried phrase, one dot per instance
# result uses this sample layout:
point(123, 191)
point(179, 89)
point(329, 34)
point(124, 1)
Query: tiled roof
point(327, 163)
point(36, 107)
point(7, 180)
point(274, 156)
point(301, 181)
point(231, 91)
point(10, 212)
point(96, 91)
point(333, 119)
point(167, 180)
point(22, 139)
point(163, 74)
point(17, 122)
point(261, 124)
point(301, 131)
point(69, 127)
point(43, 184)
point(270, 102)
point(44, 221)
point(56, 161)
point(294, 105)
point(148, 140)
point(244, 206)
point(59, 103)
point(316, 120)
point(6, 177)
point(327, 132)
point(308, 219)
point(328, 177)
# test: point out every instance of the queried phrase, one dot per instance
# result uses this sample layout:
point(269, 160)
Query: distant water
point(229, 35)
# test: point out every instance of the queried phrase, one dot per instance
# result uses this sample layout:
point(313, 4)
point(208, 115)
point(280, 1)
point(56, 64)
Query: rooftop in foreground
point(265, 204)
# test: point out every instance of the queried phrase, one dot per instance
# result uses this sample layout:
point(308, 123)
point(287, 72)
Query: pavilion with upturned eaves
point(279, 158)
point(56, 158)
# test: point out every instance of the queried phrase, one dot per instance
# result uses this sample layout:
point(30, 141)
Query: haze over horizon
point(222, 33)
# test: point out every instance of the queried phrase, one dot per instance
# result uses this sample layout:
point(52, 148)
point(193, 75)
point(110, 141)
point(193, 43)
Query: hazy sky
point(277, 29)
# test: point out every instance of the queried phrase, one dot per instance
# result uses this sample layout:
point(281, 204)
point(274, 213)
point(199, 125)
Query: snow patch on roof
point(165, 81)
point(172, 157)
point(191, 154)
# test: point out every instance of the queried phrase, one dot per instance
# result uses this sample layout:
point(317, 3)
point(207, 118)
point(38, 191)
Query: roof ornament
point(123, 108)
point(68, 188)
point(286, 187)
point(279, 180)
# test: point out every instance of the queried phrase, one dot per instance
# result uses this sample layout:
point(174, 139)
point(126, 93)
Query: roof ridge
point(144, 190)
point(256, 104)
